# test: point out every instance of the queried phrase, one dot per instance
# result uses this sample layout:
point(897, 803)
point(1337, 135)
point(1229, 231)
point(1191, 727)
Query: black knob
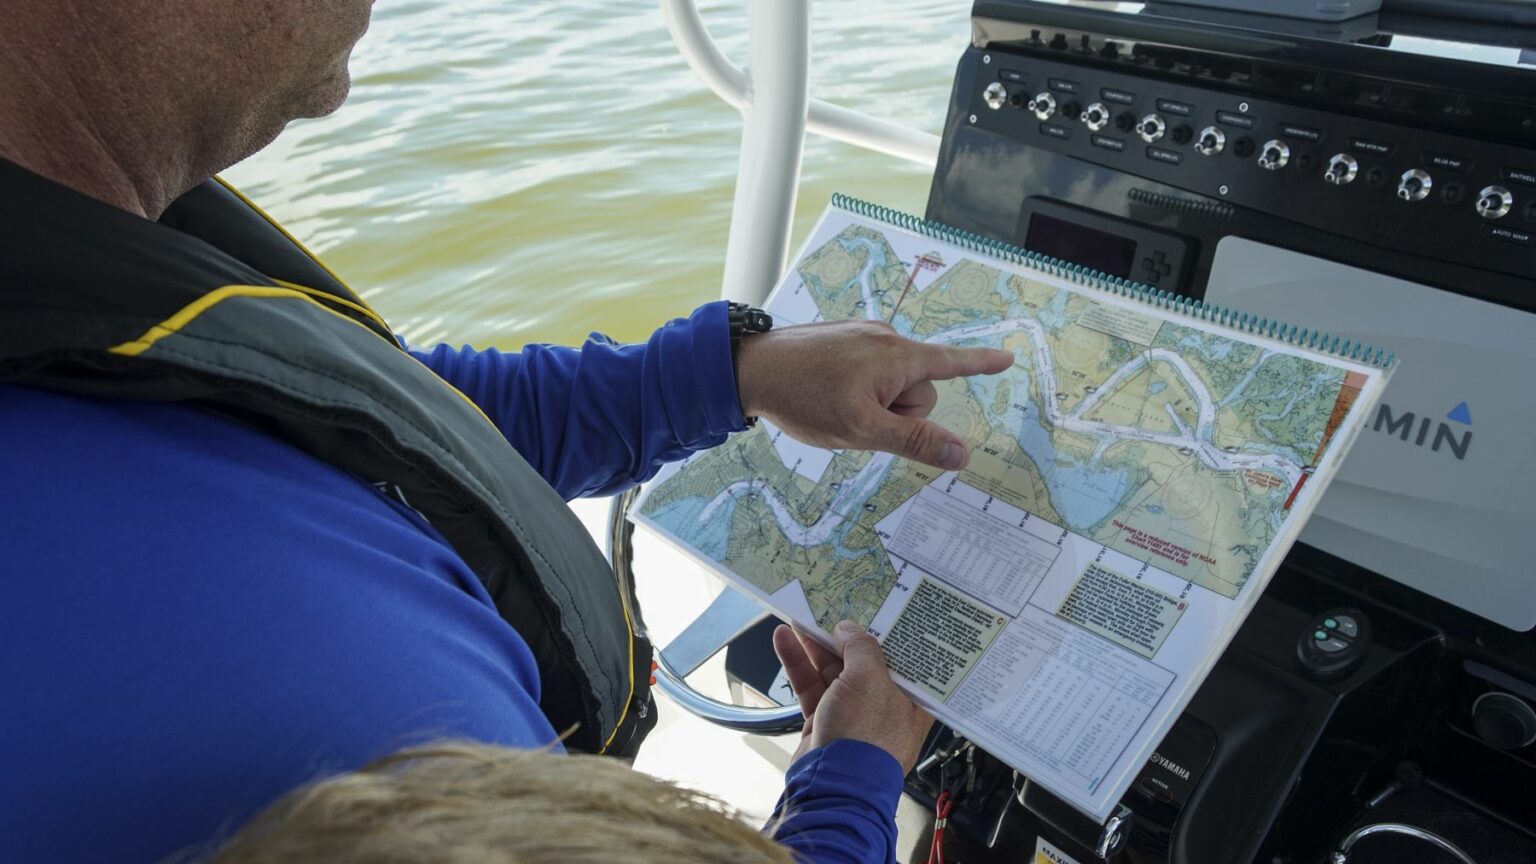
point(1504, 720)
point(1334, 643)
point(1059, 42)
point(1243, 148)
point(1182, 134)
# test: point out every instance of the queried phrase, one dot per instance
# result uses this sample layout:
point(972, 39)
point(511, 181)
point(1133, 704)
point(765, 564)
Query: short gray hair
point(459, 802)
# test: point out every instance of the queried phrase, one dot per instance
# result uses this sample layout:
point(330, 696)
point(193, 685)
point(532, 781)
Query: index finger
point(941, 362)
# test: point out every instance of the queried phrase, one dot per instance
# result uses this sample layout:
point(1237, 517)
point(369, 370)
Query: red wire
point(941, 811)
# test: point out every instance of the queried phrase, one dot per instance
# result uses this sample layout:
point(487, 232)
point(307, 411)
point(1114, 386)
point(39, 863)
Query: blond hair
point(459, 802)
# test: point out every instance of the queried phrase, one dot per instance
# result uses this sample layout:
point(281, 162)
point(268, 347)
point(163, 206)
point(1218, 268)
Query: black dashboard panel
point(1397, 188)
point(1272, 762)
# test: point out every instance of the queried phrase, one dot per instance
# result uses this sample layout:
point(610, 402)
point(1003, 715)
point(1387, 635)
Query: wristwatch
point(744, 319)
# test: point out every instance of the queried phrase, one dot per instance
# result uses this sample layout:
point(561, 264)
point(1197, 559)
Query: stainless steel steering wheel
point(727, 617)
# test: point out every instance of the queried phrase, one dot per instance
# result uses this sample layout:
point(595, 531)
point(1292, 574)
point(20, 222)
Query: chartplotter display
point(1135, 479)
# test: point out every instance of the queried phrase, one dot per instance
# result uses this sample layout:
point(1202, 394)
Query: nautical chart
point(1179, 446)
point(1134, 478)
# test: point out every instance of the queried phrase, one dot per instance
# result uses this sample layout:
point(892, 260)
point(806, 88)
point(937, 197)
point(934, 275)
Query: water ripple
point(514, 172)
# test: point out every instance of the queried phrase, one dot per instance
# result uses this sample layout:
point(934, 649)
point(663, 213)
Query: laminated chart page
point(1135, 479)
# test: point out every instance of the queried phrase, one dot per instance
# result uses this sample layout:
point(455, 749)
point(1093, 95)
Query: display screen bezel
point(1103, 251)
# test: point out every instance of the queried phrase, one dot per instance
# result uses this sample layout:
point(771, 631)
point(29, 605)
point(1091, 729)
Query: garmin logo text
point(1171, 765)
point(1416, 429)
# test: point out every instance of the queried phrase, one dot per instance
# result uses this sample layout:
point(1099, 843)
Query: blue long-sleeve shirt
point(196, 617)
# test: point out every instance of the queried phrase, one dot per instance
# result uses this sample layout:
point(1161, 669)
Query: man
point(249, 539)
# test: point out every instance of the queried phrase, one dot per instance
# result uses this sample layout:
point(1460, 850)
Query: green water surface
point(512, 172)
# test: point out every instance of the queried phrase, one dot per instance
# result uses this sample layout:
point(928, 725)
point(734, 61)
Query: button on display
point(1330, 623)
point(1013, 75)
point(1229, 118)
point(1300, 133)
point(1332, 646)
point(1168, 106)
point(1368, 145)
point(1109, 94)
point(1162, 154)
point(1155, 268)
point(1061, 85)
point(1446, 161)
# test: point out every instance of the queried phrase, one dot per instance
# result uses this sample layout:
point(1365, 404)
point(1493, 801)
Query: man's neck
point(76, 135)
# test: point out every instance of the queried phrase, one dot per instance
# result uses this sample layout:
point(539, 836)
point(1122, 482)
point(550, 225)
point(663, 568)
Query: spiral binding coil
point(1090, 278)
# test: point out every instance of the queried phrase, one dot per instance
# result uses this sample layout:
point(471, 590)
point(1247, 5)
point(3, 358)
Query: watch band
point(744, 320)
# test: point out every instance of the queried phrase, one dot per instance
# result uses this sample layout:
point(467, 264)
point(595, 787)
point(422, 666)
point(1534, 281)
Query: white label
point(1046, 853)
point(973, 551)
point(1121, 322)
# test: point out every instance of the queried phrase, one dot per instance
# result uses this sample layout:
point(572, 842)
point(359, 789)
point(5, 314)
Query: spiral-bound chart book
point(1135, 479)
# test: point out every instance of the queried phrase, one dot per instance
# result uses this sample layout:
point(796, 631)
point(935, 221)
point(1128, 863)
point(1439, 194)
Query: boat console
point(1375, 177)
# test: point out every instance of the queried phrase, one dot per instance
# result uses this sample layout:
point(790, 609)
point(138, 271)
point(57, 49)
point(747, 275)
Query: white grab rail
point(772, 138)
point(777, 112)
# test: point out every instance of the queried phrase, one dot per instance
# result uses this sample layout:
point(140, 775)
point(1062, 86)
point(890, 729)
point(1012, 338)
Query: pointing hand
point(859, 385)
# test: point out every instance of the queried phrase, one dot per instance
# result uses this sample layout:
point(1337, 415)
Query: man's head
point(164, 92)
point(271, 60)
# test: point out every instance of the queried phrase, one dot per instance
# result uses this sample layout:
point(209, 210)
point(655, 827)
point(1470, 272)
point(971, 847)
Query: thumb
point(920, 440)
point(860, 651)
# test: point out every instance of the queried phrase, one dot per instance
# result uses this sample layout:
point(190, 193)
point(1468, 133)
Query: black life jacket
point(216, 306)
